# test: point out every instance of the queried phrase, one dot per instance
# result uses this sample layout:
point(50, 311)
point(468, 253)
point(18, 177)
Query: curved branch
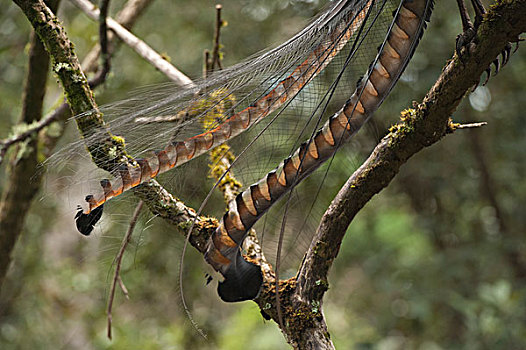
point(418, 129)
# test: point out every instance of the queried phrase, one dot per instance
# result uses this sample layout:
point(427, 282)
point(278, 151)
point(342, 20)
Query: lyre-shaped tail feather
point(178, 153)
point(223, 251)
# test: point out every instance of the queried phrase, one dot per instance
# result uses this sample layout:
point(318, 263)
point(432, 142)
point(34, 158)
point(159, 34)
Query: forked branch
point(419, 128)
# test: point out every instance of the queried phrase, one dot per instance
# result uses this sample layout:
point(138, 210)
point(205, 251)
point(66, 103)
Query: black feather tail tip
point(242, 282)
point(86, 222)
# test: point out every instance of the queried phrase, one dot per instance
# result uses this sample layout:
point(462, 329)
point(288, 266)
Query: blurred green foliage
point(436, 261)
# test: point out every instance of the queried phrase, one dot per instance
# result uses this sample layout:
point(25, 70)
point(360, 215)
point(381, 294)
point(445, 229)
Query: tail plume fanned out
point(86, 222)
point(242, 282)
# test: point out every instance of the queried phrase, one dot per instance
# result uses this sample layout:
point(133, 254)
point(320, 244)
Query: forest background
point(436, 261)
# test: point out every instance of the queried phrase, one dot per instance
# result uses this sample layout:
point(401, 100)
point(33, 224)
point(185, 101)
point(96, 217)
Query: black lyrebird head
point(86, 222)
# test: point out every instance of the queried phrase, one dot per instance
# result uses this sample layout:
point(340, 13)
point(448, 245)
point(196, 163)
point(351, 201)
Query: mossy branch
point(110, 151)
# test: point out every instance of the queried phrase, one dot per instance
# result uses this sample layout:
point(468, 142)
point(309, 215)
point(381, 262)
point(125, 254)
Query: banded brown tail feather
point(243, 280)
point(348, 19)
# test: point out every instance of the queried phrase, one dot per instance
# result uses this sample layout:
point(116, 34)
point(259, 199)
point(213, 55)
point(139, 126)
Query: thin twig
point(123, 288)
point(216, 60)
point(138, 45)
point(207, 63)
point(103, 42)
point(177, 118)
point(468, 126)
point(118, 260)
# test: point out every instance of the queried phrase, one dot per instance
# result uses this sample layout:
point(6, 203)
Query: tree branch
point(102, 73)
point(31, 130)
point(418, 129)
point(216, 56)
point(22, 186)
point(163, 204)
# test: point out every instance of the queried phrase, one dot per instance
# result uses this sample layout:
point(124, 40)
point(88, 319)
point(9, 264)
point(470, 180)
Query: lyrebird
point(263, 89)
